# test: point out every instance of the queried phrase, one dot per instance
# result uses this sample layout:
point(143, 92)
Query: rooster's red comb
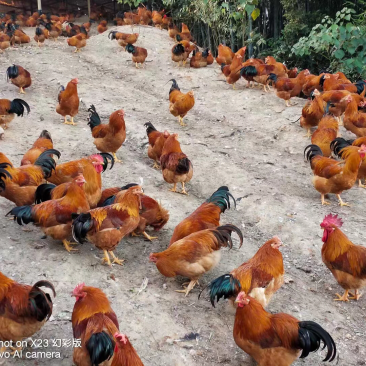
point(332, 221)
point(79, 288)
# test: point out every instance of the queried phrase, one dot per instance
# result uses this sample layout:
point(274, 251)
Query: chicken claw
point(70, 122)
point(308, 134)
point(137, 67)
point(342, 298)
point(324, 202)
point(355, 296)
point(183, 191)
point(174, 189)
point(156, 165)
point(67, 244)
point(21, 91)
point(190, 287)
point(116, 260)
point(15, 350)
point(148, 237)
point(341, 203)
point(360, 185)
point(116, 159)
point(180, 119)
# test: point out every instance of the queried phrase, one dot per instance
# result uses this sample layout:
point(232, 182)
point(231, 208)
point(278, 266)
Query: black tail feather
point(361, 84)
point(311, 335)
point(22, 214)
point(46, 135)
point(224, 232)
point(100, 347)
point(221, 198)
point(4, 174)
point(174, 85)
point(17, 107)
point(40, 302)
point(80, 227)
point(106, 158)
point(311, 151)
point(338, 144)
point(149, 128)
point(183, 166)
point(249, 71)
point(112, 35)
point(225, 286)
point(94, 119)
point(44, 193)
point(12, 72)
point(46, 161)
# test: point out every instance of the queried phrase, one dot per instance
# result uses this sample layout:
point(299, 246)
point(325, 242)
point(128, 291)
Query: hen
point(124, 353)
point(345, 260)
point(195, 254)
point(180, 103)
point(277, 339)
point(354, 120)
point(43, 143)
point(8, 110)
point(175, 165)
point(156, 143)
point(108, 138)
point(123, 39)
point(20, 77)
point(24, 309)
point(54, 216)
point(68, 101)
point(225, 55)
point(139, 54)
point(106, 226)
point(260, 277)
point(95, 323)
point(329, 175)
point(206, 216)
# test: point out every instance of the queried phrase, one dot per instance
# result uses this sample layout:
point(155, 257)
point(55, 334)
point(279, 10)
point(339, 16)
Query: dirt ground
point(245, 139)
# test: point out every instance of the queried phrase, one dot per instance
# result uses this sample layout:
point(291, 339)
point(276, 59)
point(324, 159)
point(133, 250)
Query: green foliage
point(337, 45)
point(131, 3)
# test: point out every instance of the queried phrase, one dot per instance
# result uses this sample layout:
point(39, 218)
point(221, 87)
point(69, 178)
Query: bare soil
point(246, 139)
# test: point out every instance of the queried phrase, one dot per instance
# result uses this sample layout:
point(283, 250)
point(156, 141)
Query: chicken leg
point(21, 90)
point(174, 189)
point(342, 298)
point(148, 237)
point(106, 258)
point(183, 191)
point(116, 159)
point(190, 287)
point(288, 104)
point(341, 203)
point(355, 296)
point(308, 134)
point(360, 185)
point(136, 65)
point(180, 119)
point(67, 244)
point(324, 202)
point(71, 122)
point(115, 259)
point(156, 165)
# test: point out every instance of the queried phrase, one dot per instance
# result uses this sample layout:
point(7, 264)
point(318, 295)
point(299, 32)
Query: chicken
point(175, 165)
point(180, 103)
point(21, 183)
point(21, 36)
point(68, 101)
point(225, 55)
point(102, 27)
point(188, 47)
point(54, 31)
point(199, 59)
point(277, 339)
point(258, 73)
point(329, 175)
point(172, 30)
point(78, 41)
point(40, 36)
point(108, 138)
point(210, 58)
point(179, 54)
point(157, 19)
point(91, 168)
point(336, 82)
point(185, 33)
point(260, 277)
point(287, 88)
point(95, 323)
point(195, 254)
point(151, 212)
point(10, 108)
point(125, 354)
point(345, 260)
point(43, 143)
point(206, 216)
point(24, 309)
point(312, 112)
point(156, 143)
point(123, 39)
point(326, 132)
point(166, 21)
point(249, 71)
point(54, 216)
point(313, 82)
point(139, 54)
point(280, 69)
point(292, 73)
point(4, 42)
point(106, 226)
point(354, 120)
point(145, 15)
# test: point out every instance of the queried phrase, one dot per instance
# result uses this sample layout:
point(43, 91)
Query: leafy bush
point(336, 45)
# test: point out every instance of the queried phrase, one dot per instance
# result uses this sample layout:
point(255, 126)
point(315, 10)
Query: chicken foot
point(174, 189)
point(342, 203)
point(116, 159)
point(156, 165)
point(115, 259)
point(21, 90)
point(67, 244)
point(324, 202)
point(70, 122)
point(355, 296)
point(106, 258)
point(148, 237)
point(342, 298)
point(180, 119)
point(188, 289)
point(360, 185)
point(308, 134)
point(183, 189)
